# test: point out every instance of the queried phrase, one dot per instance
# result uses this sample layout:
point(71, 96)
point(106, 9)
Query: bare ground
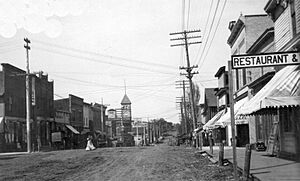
point(156, 163)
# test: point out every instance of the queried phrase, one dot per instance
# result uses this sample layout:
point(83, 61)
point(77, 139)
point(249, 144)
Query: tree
point(197, 96)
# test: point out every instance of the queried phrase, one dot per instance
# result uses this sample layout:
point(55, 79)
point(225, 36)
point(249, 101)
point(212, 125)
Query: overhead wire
point(210, 29)
point(217, 26)
point(205, 29)
point(104, 55)
point(113, 86)
point(114, 74)
point(188, 14)
point(10, 46)
point(82, 57)
point(182, 29)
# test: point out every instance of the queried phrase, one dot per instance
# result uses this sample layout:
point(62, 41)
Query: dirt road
point(160, 162)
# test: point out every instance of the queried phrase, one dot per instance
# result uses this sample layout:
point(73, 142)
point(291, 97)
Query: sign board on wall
point(56, 137)
point(265, 59)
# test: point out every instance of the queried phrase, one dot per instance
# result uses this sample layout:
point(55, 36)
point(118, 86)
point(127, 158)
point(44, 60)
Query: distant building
point(120, 120)
point(139, 131)
point(111, 123)
point(74, 105)
point(98, 122)
point(86, 116)
point(210, 104)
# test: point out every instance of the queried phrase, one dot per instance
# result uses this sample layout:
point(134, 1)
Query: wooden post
point(247, 162)
point(28, 98)
point(200, 141)
point(210, 143)
point(221, 154)
point(232, 120)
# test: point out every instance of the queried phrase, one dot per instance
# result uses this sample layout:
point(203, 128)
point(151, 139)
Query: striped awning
point(211, 122)
point(282, 90)
point(226, 119)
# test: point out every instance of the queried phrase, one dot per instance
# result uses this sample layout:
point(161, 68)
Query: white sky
point(91, 47)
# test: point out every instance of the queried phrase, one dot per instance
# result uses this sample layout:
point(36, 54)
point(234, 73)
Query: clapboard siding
point(297, 11)
point(283, 29)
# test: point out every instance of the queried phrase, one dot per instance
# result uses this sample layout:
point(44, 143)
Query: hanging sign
point(33, 93)
point(266, 59)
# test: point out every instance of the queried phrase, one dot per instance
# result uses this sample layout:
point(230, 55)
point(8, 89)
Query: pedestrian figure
point(89, 145)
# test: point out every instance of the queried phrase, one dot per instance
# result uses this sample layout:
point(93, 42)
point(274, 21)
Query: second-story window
point(249, 76)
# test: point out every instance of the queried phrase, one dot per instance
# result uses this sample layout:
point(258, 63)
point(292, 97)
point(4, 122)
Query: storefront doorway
point(242, 135)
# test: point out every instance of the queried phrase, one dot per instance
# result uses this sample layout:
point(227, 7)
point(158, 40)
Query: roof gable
point(125, 100)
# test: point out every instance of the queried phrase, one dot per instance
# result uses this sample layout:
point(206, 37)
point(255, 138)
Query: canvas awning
point(72, 129)
point(212, 121)
point(282, 90)
point(226, 120)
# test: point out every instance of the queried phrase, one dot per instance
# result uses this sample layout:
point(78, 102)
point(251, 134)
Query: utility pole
point(181, 116)
point(28, 101)
point(144, 126)
point(189, 68)
point(183, 84)
point(232, 120)
point(137, 132)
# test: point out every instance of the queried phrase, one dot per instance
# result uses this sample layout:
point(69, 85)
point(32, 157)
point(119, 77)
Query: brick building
point(244, 33)
point(13, 109)
point(74, 106)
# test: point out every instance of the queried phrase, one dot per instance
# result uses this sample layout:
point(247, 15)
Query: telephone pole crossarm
point(189, 74)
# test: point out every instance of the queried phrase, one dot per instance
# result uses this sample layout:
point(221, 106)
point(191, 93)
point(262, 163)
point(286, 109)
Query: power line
point(210, 28)
point(115, 86)
point(182, 29)
point(103, 55)
point(188, 14)
point(117, 74)
point(205, 28)
point(217, 26)
point(102, 61)
point(9, 43)
point(10, 49)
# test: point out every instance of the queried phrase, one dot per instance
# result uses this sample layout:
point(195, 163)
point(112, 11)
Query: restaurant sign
point(266, 59)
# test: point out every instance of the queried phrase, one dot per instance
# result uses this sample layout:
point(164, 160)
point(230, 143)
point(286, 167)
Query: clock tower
point(126, 125)
point(126, 108)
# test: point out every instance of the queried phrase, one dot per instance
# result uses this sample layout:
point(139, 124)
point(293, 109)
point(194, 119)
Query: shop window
point(249, 76)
